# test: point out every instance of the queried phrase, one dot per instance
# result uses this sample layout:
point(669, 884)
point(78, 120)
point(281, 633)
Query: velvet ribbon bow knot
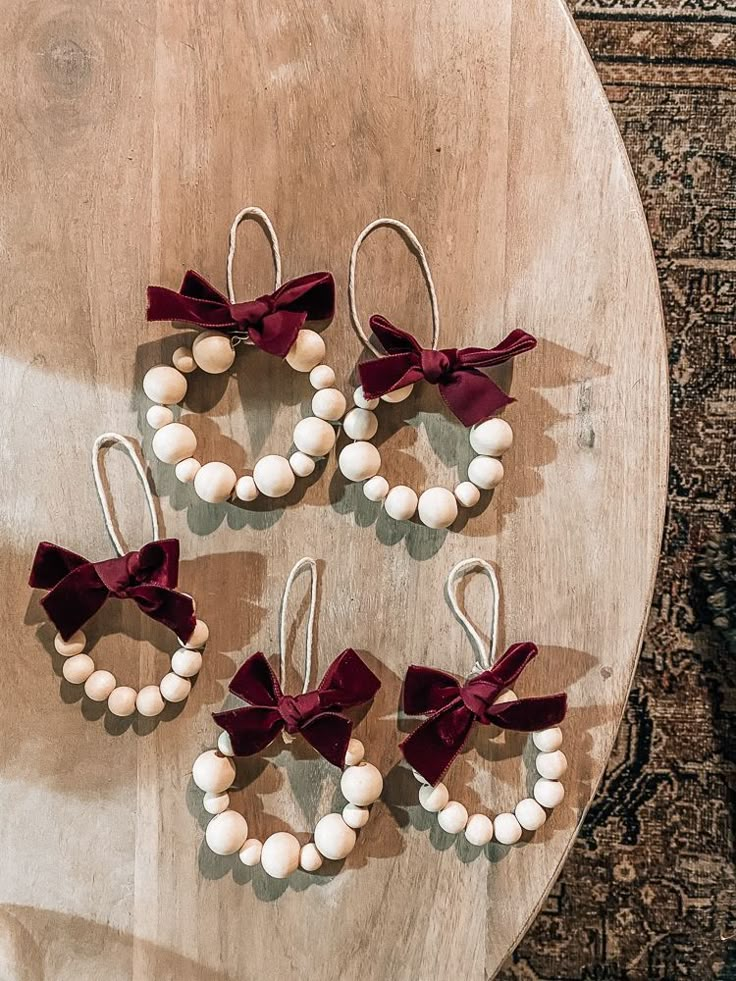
point(315, 714)
point(78, 587)
point(469, 393)
point(452, 709)
point(271, 322)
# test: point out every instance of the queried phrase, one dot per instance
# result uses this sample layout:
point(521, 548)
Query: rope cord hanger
point(485, 656)
point(259, 216)
point(104, 497)
point(305, 563)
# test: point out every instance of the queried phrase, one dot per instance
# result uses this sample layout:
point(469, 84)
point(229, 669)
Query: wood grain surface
point(132, 134)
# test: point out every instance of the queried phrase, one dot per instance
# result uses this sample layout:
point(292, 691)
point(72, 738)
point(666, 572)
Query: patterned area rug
point(649, 890)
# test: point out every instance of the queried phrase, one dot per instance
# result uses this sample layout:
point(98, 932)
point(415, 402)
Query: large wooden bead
point(354, 816)
point(433, 798)
point(453, 817)
point(213, 352)
point(361, 401)
point(225, 744)
point(99, 685)
point(548, 740)
point(530, 814)
point(301, 464)
point(164, 384)
point(173, 443)
point(216, 803)
point(77, 668)
point(306, 352)
point(186, 663)
point(507, 829)
point(245, 489)
point(376, 489)
point(551, 765)
point(437, 507)
point(309, 858)
point(485, 472)
point(149, 702)
point(280, 855)
point(213, 772)
point(399, 395)
point(314, 436)
point(226, 833)
point(548, 793)
point(200, 635)
point(329, 404)
point(360, 424)
point(359, 461)
point(333, 838)
point(355, 752)
point(479, 829)
point(273, 476)
point(250, 853)
point(182, 360)
point(214, 482)
point(159, 416)
point(174, 688)
point(322, 377)
point(187, 470)
point(401, 503)
point(467, 494)
point(361, 784)
point(121, 701)
point(75, 644)
point(492, 437)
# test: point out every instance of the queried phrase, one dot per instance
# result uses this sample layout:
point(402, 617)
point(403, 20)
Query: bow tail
point(250, 729)
point(75, 600)
point(167, 606)
point(472, 396)
point(329, 734)
point(530, 714)
point(432, 747)
point(347, 682)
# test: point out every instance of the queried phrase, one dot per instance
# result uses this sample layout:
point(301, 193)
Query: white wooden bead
point(507, 829)
point(77, 668)
point(361, 784)
point(322, 377)
point(399, 395)
point(183, 360)
point(437, 507)
point(99, 685)
point(213, 352)
point(485, 472)
point(174, 688)
point(479, 829)
point(309, 858)
point(187, 470)
point(200, 636)
point(216, 803)
point(467, 494)
point(307, 351)
point(453, 817)
point(149, 702)
point(213, 772)
point(551, 765)
point(433, 798)
point(333, 838)
point(417, 776)
point(359, 461)
point(164, 384)
point(361, 401)
point(530, 815)
point(301, 464)
point(355, 752)
point(75, 644)
point(159, 416)
point(173, 443)
point(376, 488)
point(214, 482)
point(225, 744)
point(548, 740)
point(121, 701)
point(226, 833)
point(360, 424)
point(401, 503)
point(355, 816)
point(273, 476)
point(548, 793)
point(329, 404)
point(250, 853)
point(314, 436)
point(280, 855)
point(186, 663)
point(245, 489)
point(492, 437)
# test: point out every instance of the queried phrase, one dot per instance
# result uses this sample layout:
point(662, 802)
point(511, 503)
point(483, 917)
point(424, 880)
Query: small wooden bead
point(213, 352)
point(250, 853)
point(200, 636)
point(149, 702)
point(99, 685)
point(376, 488)
point(551, 765)
point(314, 436)
point(245, 489)
point(530, 815)
point(174, 688)
point(333, 838)
point(183, 360)
point(164, 384)
point(225, 744)
point(322, 377)
point(355, 816)
point(399, 395)
point(359, 461)
point(548, 793)
point(401, 503)
point(355, 752)
point(507, 695)
point(121, 701)
point(453, 817)
point(507, 829)
point(467, 494)
point(186, 663)
point(360, 424)
point(159, 416)
point(361, 784)
point(433, 798)
point(492, 437)
point(216, 803)
point(77, 668)
point(307, 351)
point(301, 464)
point(187, 470)
point(437, 507)
point(548, 740)
point(273, 476)
point(213, 772)
point(485, 472)
point(329, 404)
point(214, 482)
point(226, 833)
point(280, 855)
point(309, 858)
point(173, 443)
point(361, 401)
point(479, 829)
point(75, 644)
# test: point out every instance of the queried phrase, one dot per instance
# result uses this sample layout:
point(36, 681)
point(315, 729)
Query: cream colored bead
point(399, 395)
point(314, 436)
point(245, 489)
point(333, 838)
point(355, 816)
point(437, 507)
point(186, 663)
point(149, 702)
point(417, 776)
point(359, 461)
point(361, 401)
point(226, 833)
point(329, 404)
point(159, 416)
point(485, 472)
point(453, 817)
point(173, 688)
point(307, 351)
point(77, 668)
point(213, 352)
point(507, 829)
point(479, 829)
point(530, 815)
point(309, 858)
point(360, 424)
point(551, 766)
point(75, 644)
point(467, 494)
point(322, 377)
point(213, 772)
point(173, 443)
point(121, 701)
point(214, 482)
point(301, 464)
point(401, 503)
point(548, 740)
point(376, 488)
point(492, 437)
point(187, 470)
point(361, 784)
point(508, 695)
point(273, 476)
point(225, 744)
point(200, 636)
point(548, 793)
point(216, 803)
point(99, 685)
point(164, 384)
point(250, 853)
point(280, 855)
point(183, 360)
point(433, 798)
point(355, 752)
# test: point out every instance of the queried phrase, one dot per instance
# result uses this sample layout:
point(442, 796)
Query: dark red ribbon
point(453, 708)
point(78, 588)
point(469, 393)
point(271, 321)
point(315, 714)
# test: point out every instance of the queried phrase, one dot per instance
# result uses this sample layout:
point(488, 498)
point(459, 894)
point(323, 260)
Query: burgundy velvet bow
point(271, 321)
point(78, 588)
point(468, 392)
point(316, 714)
point(453, 708)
